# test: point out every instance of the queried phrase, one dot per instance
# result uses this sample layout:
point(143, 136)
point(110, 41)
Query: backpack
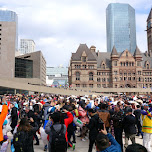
point(21, 141)
point(59, 143)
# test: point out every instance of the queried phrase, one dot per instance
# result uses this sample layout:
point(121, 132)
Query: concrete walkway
point(80, 145)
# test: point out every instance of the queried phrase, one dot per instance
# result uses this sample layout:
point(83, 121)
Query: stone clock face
point(149, 24)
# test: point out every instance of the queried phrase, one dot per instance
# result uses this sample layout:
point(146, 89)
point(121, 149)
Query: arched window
point(139, 79)
point(90, 76)
point(77, 75)
point(147, 66)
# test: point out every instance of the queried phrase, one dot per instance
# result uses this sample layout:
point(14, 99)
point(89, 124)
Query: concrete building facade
point(8, 43)
point(27, 46)
point(39, 65)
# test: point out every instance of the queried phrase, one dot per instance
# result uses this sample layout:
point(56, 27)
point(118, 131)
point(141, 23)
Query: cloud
point(58, 27)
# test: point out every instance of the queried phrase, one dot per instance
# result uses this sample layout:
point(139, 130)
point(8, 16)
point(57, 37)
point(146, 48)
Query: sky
point(58, 27)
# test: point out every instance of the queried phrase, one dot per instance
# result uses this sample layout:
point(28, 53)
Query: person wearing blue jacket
point(106, 143)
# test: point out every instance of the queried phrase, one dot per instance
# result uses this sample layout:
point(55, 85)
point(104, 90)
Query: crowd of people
point(59, 120)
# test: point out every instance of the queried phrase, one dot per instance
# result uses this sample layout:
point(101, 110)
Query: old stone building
point(94, 69)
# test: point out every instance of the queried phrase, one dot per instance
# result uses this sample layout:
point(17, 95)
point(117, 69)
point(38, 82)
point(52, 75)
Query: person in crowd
point(136, 148)
point(137, 114)
point(93, 128)
point(3, 115)
point(104, 115)
point(57, 120)
point(117, 118)
point(14, 116)
point(106, 143)
point(84, 118)
point(23, 138)
point(146, 116)
point(129, 123)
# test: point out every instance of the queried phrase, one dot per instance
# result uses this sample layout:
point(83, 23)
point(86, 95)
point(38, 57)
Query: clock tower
point(149, 31)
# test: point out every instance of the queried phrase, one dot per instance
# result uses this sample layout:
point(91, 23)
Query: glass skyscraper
point(10, 16)
point(121, 27)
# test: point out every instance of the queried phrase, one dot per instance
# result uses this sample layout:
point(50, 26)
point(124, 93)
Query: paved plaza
point(80, 145)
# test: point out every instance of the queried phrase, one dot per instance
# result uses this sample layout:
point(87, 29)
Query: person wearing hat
point(129, 127)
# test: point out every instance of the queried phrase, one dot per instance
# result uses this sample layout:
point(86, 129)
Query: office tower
point(121, 27)
point(27, 46)
point(149, 31)
point(8, 42)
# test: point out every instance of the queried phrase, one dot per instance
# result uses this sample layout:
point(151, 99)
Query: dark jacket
point(93, 126)
point(14, 117)
point(30, 138)
point(115, 147)
point(129, 123)
point(117, 118)
point(137, 114)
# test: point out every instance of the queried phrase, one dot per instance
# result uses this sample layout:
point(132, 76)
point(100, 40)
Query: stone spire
point(150, 15)
point(137, 52)
point(114, 51)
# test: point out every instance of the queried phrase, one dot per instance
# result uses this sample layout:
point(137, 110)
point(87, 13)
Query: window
point(83, 59)
point(125, 78)
point(103, 79)
point(78, 85)
point(84, 66)
point(147, 64)
point(91, 85)
point(115, 72)
point(99, 85)
point(90, 66)
point(115, 63)
point(126, 63)
point(84, 85)
point(129, 78)
point(115, 86)
point(104, 86)
point(138, 63)
point(121, 63)
point(129, 63)
point(134, 78)
point(126, 54)
point(98, 73)
point(98, 79)
point(121, 78)
point(139, 79)
point(132, 63)
point(77, 75)
point(90, 76)
point(115, 79)
point(139, 72)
